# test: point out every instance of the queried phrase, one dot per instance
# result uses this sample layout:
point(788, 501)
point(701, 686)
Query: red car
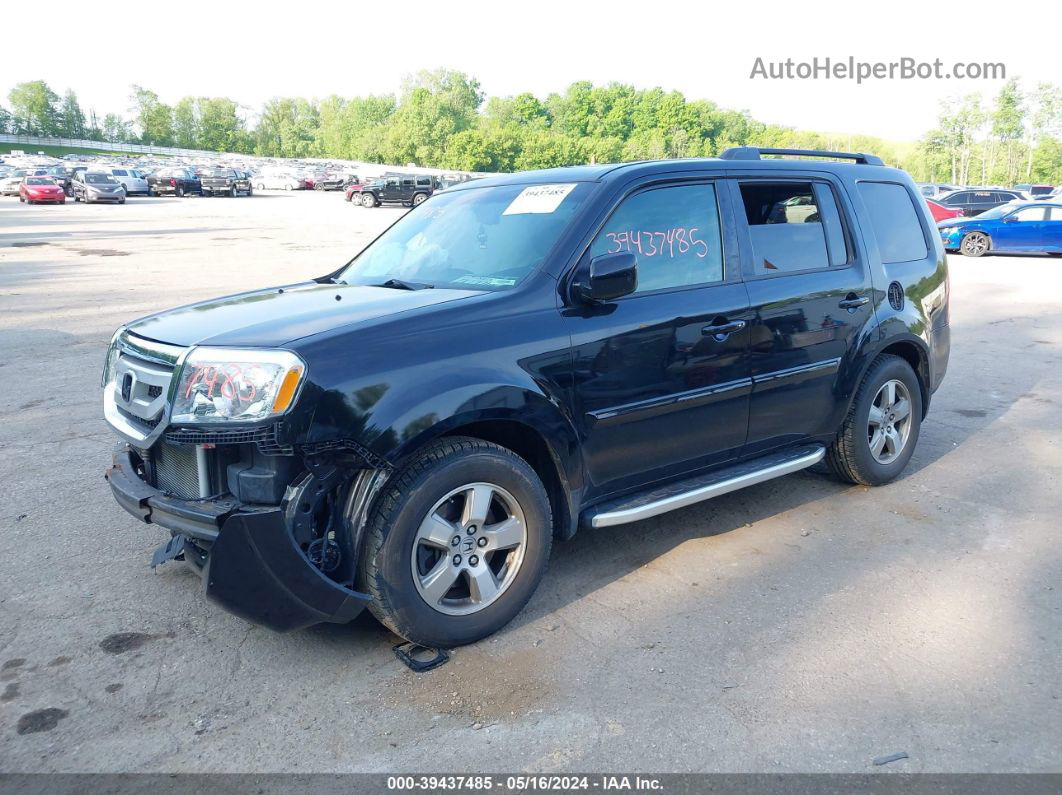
point(41, 189)
point(942, 213)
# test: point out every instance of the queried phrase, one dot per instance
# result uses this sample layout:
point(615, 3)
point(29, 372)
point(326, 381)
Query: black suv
point(974, 202)
point(522, 356)
point(398, 189)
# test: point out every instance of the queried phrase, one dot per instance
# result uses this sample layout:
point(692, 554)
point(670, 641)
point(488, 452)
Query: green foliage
point(35, 109)
point(441, 118)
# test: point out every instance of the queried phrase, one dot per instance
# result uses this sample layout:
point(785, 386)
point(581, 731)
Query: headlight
point(236, 385)
point(112, 358)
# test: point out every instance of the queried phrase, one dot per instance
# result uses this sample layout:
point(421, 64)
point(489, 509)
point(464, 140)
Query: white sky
point(253, 51)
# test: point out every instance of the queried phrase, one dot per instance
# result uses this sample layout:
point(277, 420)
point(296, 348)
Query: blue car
point(1029, 226)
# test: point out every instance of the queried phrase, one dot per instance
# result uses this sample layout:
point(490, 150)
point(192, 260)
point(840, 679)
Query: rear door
point(661, 376)
point(811, 296)
point(1053, 229)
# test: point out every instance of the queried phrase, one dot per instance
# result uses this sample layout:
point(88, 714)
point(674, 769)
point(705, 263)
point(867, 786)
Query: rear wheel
point(881, 430)
point(368, 200)
point(457, 543)
point(419, 199)
point(261, 186)
point(975, 244)
point(180, 191)
point(287, 186)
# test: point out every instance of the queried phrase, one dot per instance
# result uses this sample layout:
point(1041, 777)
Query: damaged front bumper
point(247, 557)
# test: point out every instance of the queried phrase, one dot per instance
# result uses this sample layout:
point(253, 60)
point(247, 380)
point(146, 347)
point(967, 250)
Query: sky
point(251, 52)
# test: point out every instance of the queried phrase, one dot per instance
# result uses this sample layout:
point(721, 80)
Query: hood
point(276, 316)
point(951, 222)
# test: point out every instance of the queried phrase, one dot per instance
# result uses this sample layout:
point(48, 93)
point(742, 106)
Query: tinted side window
point(786, 226)
point(674, 232)
point(895, 221)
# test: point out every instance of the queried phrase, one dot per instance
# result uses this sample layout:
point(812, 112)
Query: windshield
point(482, 239)
point(39, 181)
point(100, 179)
point(221, 172)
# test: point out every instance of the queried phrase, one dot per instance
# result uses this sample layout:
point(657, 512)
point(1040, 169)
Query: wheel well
point(919, 362)
point(532, 447)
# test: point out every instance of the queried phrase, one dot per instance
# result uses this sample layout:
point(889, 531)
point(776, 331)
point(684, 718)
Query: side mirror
point(1010, 219)
point(606, 278)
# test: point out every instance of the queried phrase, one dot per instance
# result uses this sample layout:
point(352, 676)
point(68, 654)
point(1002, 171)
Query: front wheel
point(457, 543)
point(368, 200)
point(880, 432)
point(975, 244)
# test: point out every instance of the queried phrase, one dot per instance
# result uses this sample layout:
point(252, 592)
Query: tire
point(419, 199)
point(180, 191)
point(975, 244)
point(368, 200)
point(396, 558)
point(22, 199)
point(121, 201)
point(287, 186)
point(261, 186)
point(851, 457)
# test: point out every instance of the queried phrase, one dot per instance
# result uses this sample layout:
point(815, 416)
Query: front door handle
point(723, 329)
point(852, 302)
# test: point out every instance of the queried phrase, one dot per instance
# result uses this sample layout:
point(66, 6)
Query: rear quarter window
point(895, 221)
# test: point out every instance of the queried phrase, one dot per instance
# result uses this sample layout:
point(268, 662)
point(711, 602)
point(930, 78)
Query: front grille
point(265, 438)
point(176, 471)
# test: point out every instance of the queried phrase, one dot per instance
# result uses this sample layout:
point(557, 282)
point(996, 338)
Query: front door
point(661, 376)
point(1022, 230)
point(811, 299)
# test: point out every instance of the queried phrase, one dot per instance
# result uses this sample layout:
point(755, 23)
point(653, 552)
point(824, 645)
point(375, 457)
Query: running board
point(660, 500)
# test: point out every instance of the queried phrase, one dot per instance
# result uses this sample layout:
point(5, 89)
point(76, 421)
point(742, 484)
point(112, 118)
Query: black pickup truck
point(523, 356)
point(178, 181)
point(226, 182)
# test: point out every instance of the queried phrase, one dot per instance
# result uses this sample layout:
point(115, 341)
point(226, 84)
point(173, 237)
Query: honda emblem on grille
point(127, 386)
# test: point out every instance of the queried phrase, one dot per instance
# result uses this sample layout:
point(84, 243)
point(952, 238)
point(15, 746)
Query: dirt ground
point(799, 625)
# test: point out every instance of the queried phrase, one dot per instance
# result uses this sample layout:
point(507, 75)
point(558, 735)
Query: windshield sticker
point(485, 281)
point(538, 199)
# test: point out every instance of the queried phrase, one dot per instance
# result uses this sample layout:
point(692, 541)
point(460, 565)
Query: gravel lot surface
point(799, 625)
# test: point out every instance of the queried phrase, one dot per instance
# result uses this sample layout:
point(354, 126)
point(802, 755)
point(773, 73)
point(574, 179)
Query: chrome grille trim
point(148, 370)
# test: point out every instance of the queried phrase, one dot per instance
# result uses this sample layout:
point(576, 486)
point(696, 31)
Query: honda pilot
point(520, 357)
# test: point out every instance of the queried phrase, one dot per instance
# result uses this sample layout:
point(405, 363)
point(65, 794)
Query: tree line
point(443, 119)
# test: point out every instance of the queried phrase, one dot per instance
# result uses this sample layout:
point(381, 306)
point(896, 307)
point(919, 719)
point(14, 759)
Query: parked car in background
point(63, 177)
point(41, 189)
point(132, 180)
point(976, 201)
point(276, 181)
point(933, 189)
point(408, 190)
point(176, 181)
point(942, 213)
point(1029, 226)
point(97, 186)
point(1035, 191)
point(9, 184)
point(225, 181)
point(335, 182)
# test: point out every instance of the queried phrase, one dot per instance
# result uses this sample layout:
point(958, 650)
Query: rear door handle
point(723, 329)
point(852, 301)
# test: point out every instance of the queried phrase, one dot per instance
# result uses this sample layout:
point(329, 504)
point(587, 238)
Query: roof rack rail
point(755, 152)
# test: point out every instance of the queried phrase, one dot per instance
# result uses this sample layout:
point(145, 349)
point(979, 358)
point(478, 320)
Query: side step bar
point(636, 507)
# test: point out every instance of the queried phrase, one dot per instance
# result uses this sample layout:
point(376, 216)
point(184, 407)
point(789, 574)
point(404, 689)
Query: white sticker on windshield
point(539, 199)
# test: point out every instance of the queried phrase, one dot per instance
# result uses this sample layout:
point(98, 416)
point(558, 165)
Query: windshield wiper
point(399, 284)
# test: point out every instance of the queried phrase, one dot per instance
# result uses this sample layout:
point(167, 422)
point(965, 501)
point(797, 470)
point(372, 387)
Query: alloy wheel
point(889, 423)
point(469, 549)
point(975, 244)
